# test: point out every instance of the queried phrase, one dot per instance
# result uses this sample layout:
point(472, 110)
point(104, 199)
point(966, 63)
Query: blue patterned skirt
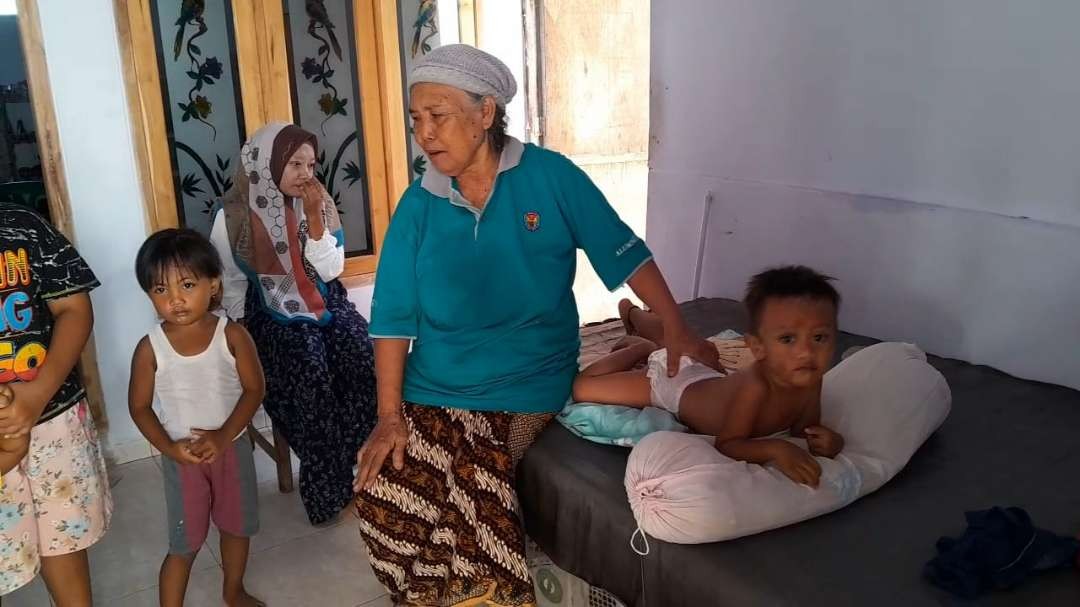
point(320, 393)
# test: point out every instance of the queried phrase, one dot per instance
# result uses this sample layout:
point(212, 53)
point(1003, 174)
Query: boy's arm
point(12, 450)
point(796, 464)
point(15, 446)
point(252, 381)
point(620, 360)
point(820, 440)
point(141, 400)
point(73, 317)
point(811, 416)
point(735, 441)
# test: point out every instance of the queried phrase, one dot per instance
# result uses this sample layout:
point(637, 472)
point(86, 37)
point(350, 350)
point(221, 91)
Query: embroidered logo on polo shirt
point(532, 221)
point(626, 247)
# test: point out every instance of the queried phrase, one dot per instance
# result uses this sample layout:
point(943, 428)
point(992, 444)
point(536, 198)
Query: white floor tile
point(30, 595)
point(204, 590)
point(292, 563)
point(127, 559)
point(128, 451)
point(281, 519)
point(382, 601)
point(329, 568)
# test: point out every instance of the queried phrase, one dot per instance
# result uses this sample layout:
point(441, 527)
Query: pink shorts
point(225, 491)
point(56, 501)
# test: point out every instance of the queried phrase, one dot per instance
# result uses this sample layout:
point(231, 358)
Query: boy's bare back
point(744, 405)
point(793, 316)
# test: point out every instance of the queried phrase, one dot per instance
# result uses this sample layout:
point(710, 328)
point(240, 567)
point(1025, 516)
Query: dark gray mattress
point(1006, 442)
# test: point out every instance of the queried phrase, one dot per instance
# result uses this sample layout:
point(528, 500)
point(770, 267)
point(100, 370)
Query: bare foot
point(244, 600)
point(625, 305)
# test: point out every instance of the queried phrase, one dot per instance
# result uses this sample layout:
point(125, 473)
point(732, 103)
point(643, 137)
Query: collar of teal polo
point(442, 186)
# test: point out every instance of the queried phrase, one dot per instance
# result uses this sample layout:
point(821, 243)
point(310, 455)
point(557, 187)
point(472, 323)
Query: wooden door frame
point(467, 10)
point(52, 164)
point(264, 91)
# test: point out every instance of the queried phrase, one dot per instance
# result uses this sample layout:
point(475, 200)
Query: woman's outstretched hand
point(390, 437)
point(681, 341)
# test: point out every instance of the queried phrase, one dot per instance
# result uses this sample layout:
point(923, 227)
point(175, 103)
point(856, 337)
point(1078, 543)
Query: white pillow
point(885, 400)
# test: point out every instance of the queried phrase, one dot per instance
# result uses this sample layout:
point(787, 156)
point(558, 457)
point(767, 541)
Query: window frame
point(263, 68)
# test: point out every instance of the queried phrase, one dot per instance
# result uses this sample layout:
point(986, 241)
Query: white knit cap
point(467, 68)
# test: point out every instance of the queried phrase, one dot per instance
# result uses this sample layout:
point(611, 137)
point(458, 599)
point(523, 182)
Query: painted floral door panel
point(326, 98)
point(418, 21)
point(204, 117)
point(199, 72)
point(203, 74)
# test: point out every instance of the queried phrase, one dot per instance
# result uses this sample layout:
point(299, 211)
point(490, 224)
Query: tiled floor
point(291, 562)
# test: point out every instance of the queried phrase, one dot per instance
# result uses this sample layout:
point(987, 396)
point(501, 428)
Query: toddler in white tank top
point(204, 372)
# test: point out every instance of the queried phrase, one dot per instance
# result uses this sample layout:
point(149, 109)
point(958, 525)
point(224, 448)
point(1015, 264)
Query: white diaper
point(667, 391)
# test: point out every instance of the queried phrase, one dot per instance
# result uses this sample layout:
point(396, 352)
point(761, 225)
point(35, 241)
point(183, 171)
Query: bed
point(1006, 442)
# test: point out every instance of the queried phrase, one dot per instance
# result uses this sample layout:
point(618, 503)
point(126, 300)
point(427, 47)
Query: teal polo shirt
point(486, 295)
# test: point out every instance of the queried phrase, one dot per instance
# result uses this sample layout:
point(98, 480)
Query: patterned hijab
point(264, 232)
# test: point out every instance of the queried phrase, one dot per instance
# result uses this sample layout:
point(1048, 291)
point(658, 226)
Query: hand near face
point(313, 194)
point(823, 441)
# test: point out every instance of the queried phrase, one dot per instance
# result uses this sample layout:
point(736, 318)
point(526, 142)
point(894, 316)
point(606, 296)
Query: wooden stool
point(279, 452)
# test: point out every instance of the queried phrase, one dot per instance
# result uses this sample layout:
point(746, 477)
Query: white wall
point(500, 32)
point(361, 298)
point(900, 147)
point(95, 136)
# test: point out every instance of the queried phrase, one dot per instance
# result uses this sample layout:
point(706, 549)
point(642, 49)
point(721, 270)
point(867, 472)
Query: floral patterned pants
point(56, 501)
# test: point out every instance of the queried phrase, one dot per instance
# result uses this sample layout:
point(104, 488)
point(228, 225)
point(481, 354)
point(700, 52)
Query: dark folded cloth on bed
point(1000, 548)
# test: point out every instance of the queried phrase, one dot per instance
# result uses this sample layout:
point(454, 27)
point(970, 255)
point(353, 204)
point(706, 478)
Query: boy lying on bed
point(793, 318)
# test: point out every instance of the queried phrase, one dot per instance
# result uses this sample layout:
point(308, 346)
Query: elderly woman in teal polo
point(475, 275)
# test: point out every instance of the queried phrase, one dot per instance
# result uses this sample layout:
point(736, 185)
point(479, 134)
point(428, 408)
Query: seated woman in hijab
point(282, 248)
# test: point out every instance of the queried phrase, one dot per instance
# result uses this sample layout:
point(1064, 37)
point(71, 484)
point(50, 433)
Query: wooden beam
point(91, 379)
point(391, 83)
point(382, 107)
point(142, 83)
point(41, 99)
point(467, 21)
point(371, 66)
point(534, 112)
point(358, 267)
point(276, 69)
point(263, 60)
point(249, 51)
